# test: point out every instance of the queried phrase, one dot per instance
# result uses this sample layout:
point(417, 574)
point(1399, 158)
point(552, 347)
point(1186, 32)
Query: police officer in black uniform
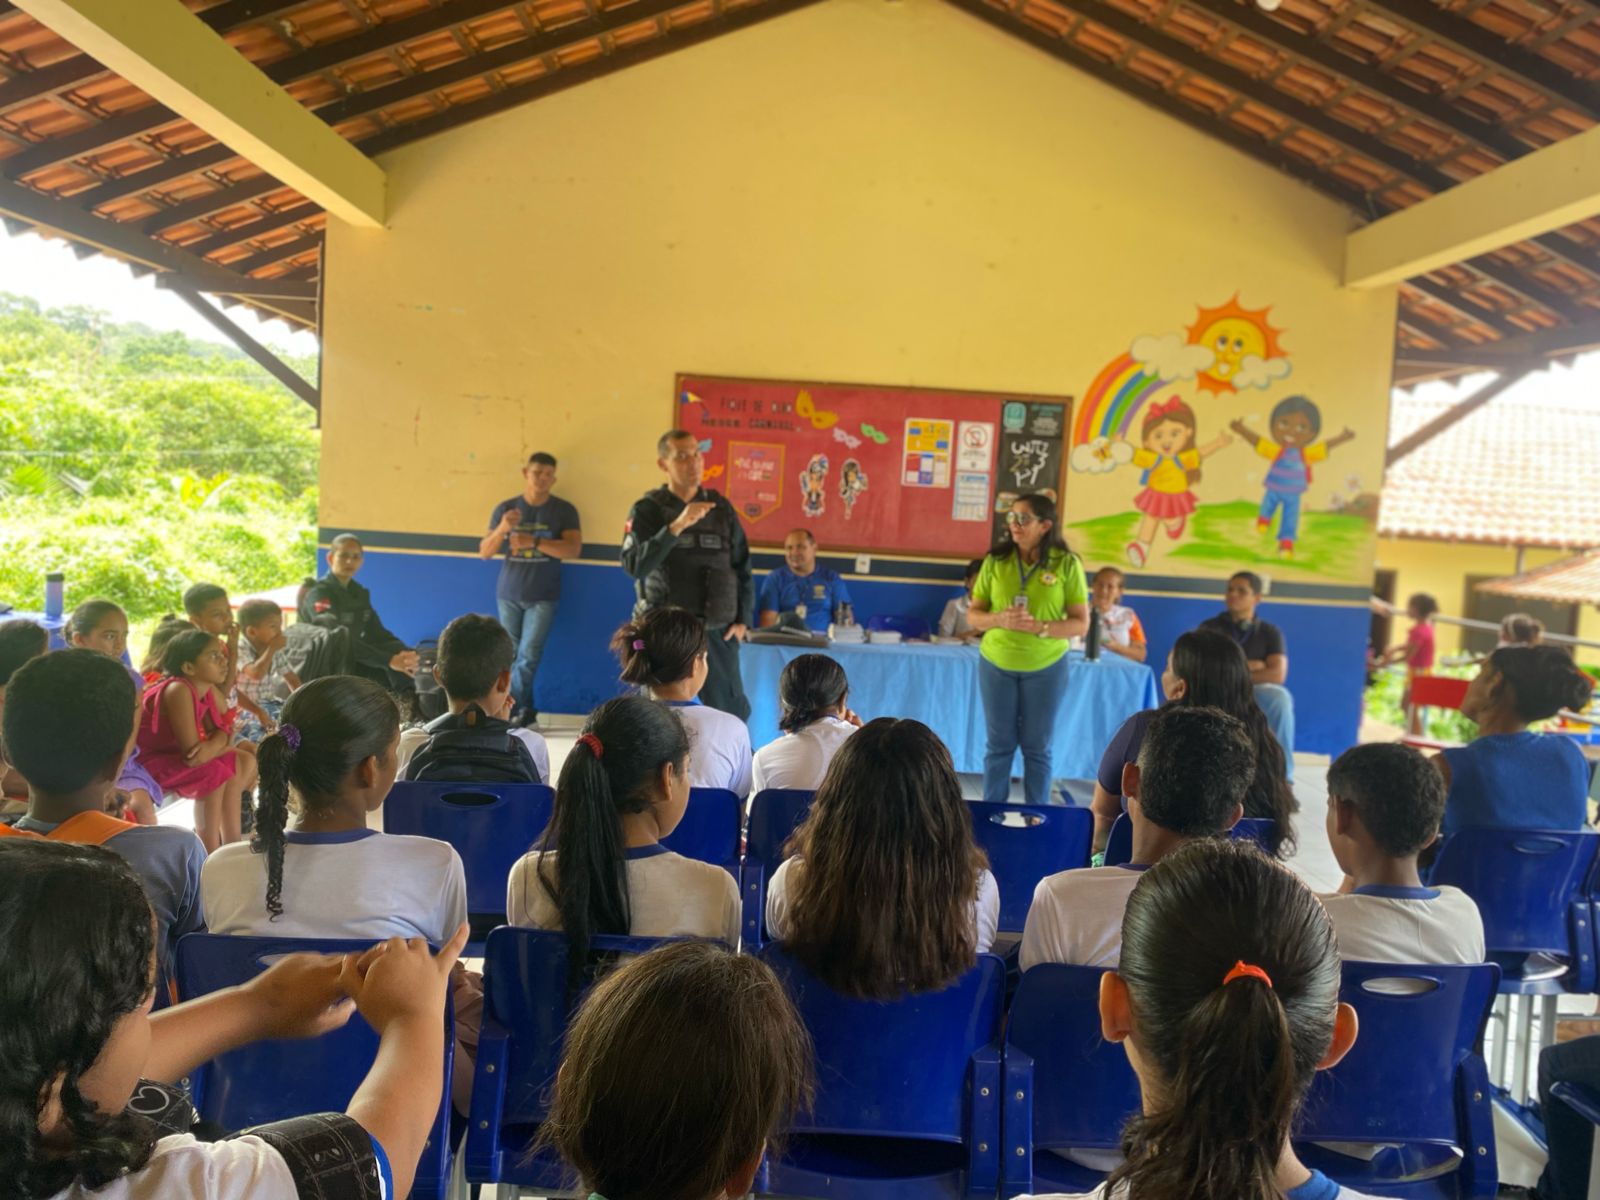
point(684, 546)
point(337, 601)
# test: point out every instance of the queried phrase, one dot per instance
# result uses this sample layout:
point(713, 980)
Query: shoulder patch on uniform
point(322, 606)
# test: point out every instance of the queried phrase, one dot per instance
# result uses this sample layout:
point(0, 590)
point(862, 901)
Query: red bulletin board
point(886, 470)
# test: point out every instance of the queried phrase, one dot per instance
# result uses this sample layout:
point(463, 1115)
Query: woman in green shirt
point(1031, 598)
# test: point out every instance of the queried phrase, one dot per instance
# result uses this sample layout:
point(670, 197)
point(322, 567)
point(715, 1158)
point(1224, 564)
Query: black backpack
point(471, 747)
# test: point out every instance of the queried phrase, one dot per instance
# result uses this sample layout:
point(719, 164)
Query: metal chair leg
point(1500, 1023)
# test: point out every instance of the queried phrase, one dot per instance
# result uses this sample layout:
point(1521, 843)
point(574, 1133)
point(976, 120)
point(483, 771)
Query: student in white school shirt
point(813, 694)
point(886, 891)
point(89, 1096)
point(1385, 802)
point(664, 652)
point(474, 668)
point(623, 788)
point(1229, 968)
point(329, 875)
point(1194, 768)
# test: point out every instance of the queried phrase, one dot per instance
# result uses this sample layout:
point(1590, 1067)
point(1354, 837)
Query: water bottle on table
point(55, 600)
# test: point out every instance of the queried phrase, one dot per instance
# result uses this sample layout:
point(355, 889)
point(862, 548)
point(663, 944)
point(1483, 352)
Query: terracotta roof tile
point(1519, 471)
point(1571, 581)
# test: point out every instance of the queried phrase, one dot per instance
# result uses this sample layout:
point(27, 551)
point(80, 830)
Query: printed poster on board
point(1030, 454)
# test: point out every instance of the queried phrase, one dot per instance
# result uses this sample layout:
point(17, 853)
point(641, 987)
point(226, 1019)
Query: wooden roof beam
point(1558, 185)
point(1466, 307)
point(1508, 377)
point(247, 230)
point(1549, 344)
point(184, 65)
point(280, 370)
point(212, 202)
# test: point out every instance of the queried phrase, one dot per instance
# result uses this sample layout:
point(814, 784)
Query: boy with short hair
point(207, 607)
point(1194, 768)
point(1385, 802)
point(69, 723)
point(266, 679)
point(474, 741)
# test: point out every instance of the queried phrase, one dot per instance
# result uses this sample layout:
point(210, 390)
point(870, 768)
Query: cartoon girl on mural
point(813, 482)
point(1171, 462)
point(852, 482)
point(1293, 447)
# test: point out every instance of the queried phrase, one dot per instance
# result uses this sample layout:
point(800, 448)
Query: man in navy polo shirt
point(800, 586)
point(535, 531)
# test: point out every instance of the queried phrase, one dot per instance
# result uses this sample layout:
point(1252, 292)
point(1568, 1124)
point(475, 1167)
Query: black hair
point(681, 1066)
point(973, 568)
point(1250, 577)
point(253, 612)
point(77, 942)
point(339, 721)
point(1196, 764)
point(658, 648)
point(200, 595)
point(1543, 680)
point(810, 687)
point(588, 882)
point(540, 459)
point(1215, 673)
point(1422, 604)
point(183, 648)
point(1233, 1060)
point(86, 618)
point(68, 717)
point(20, 640)
point(1055, 543)
point(473, 651)
point(169, 627)
point(810, 537)
point(1396, 792)
point(664, 442)
point(1117, 571)
point(347, 539)
point(1290, 405)
point(1521, 629)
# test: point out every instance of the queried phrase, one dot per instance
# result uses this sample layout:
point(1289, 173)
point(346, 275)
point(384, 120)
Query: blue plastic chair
point(907, 1102)
point(274, 1080)
point(1024, 844)
point(1066, 1087)
point(1119, 846)
point(709, 830)
point(1414, 1082)
point(774, 814)
point(525, 1013)
point(491, 826)
point(909, 628)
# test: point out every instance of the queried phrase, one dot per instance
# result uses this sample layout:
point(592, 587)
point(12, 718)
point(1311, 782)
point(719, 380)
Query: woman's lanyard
point(1024, 575)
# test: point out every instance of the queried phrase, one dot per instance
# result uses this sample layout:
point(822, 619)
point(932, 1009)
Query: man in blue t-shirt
point(802, 587)
point(535, 531)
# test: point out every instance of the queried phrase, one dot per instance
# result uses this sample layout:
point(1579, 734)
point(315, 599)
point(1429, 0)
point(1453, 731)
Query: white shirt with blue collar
point(1437, 926)
point(719, 747)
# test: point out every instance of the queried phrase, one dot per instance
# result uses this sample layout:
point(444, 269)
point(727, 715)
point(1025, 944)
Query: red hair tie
point(591, 741)
point(1241, 969)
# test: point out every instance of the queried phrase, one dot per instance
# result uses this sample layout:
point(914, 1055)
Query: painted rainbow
point(1116, 395)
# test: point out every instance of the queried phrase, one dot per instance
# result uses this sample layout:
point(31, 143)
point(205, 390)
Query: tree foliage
point(137, 461)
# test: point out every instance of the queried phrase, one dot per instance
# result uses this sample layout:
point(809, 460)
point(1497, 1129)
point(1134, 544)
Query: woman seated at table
point(1509, 776)
point(1205, 667)
point(813, 692)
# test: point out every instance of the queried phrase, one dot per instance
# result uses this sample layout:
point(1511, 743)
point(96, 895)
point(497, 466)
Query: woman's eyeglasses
point(1020, 518)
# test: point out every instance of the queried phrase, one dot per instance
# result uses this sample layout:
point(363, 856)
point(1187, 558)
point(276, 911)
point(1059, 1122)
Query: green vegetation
point(1440, 724)
point(138, 462)
point(1223, 537)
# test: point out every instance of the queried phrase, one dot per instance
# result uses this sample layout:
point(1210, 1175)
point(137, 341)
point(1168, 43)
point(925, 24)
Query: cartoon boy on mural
point(852, 482)
point(813, 482)
point(1295, 425)
point(1171, 463)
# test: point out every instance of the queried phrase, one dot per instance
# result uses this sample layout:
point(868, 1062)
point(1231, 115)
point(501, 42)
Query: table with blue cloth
point(56, 627)
point(938, 685)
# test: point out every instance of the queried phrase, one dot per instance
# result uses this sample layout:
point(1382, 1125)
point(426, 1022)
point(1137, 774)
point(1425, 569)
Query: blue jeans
point(529, 626)
point(1289, 527)
point(1019, 709)
point(1277, 705)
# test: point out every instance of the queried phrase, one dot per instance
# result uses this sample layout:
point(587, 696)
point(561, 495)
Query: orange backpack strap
point(84, 829)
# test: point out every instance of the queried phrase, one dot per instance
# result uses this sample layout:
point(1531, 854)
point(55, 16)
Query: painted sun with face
point(1232, 333)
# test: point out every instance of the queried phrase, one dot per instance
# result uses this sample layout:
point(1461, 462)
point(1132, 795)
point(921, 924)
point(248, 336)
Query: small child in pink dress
point(184, 739)
point(1417, 652)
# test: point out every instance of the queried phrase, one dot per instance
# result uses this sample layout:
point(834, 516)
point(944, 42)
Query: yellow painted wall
point(1441, 569)
point(859, 191)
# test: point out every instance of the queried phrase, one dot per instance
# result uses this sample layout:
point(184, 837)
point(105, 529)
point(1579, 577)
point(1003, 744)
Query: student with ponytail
point(600, 867)
point(1227, 997)
point(816, 720)
point(663, 653)
point(324, 873)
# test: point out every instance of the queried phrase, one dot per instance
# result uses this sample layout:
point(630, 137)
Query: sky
point(53, 275)
point(50, 273)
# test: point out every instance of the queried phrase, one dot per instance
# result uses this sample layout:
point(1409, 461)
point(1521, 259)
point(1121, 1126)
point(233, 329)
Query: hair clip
point(593, 742)
point(1242, 970)
point(290, 735)
point(638, 643)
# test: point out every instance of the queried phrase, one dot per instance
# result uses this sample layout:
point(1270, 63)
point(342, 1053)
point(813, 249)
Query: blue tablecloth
point(938, 685)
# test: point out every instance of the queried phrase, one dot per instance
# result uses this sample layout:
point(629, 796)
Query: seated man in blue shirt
point(801, 587)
